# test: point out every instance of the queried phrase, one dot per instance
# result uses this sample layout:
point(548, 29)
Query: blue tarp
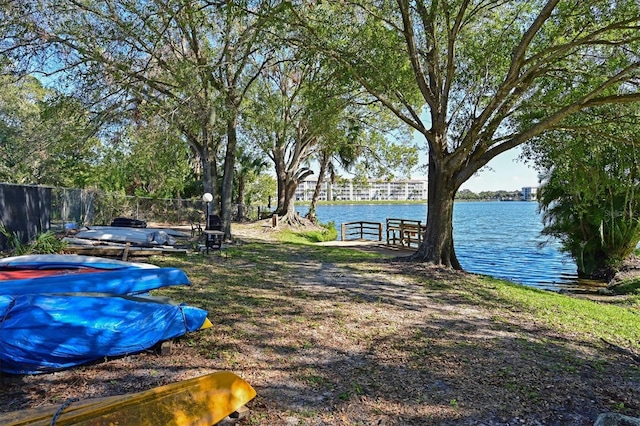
point(118, 281)
point(42, 333)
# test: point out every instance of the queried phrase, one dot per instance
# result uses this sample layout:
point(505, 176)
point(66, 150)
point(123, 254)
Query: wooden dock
point(403, 236)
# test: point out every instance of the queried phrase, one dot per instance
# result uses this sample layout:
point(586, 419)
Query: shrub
point(44, 243)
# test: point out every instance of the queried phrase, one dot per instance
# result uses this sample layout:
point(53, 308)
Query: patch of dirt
point(629, 270)
point(372, 343)
point(264, 229)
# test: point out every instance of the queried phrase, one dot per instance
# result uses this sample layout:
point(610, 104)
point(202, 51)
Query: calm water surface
point(501, 239)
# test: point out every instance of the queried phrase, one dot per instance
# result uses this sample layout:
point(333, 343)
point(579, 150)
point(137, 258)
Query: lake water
point(501, 239)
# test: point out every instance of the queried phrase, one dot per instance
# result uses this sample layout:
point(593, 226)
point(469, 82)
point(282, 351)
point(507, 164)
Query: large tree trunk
point(206, 148)
point(210, 171)
point(289, 215)
point(288, 177)
point(437, 246)
point(281, 178)
point(207, 175)
point(281, 205)
point(227, 180)
point(286, 200)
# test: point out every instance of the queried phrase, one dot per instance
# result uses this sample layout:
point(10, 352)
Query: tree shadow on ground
point(329, 337)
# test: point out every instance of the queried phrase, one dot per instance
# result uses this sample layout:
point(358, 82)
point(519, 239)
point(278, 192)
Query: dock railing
point(401, 233)
point(405, 233)
point(362, 230)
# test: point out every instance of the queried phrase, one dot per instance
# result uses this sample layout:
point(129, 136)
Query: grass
point(619, 323)
point(328, 233)
point(530, 339)
point(631, 287)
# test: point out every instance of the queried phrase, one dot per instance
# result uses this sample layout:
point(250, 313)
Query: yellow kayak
point(202, 401)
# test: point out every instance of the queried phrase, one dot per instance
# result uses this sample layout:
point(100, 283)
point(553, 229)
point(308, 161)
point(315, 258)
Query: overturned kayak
point(117, 281)
point(202, 401)
point(67, 261)
point(64, 273)
point(41, 333)
point(138, 236)
point(22, 280)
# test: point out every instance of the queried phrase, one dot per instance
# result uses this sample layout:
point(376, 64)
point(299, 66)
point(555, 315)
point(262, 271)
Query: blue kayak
point(114, 281)
point(42, 333)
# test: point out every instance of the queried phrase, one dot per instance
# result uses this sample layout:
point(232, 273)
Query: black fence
point(24, 211)
point(28, 210)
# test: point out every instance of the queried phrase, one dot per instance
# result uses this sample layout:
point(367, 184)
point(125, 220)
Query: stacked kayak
point(114, 281)
point(67, 261)
point(48, 332)
point(60, 311)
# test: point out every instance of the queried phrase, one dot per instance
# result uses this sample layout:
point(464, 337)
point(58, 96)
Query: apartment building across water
point(395, 190)
point(529, 193)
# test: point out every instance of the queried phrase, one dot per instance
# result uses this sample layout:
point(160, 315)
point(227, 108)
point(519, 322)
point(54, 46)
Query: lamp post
point(207, 198)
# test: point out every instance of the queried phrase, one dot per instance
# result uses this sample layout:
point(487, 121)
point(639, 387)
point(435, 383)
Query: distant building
point(396, 190)
point(529, 193)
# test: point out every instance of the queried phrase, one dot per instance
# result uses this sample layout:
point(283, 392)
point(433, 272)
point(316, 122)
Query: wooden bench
point(406, 233)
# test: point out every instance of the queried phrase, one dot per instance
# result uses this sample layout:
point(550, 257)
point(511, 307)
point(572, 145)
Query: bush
point(330, 233)
point(44, 243)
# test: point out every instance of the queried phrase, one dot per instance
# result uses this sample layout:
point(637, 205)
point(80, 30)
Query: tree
point(372, 147)
point(45, 137)
point(149, 159)
point(260, 190)
point(193, 61)
point(19, 117)
point(385, 155)
point(466, 194)
point(302, 111)
point(591, 189)
point(343, 144)
point(326, 166)
point(249, 166)
point(477, 66)
point(295, 106)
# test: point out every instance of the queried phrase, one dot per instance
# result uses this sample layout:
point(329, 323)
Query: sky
point(504, 172)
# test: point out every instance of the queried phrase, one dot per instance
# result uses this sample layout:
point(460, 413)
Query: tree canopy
point(45, 137)
point(478, 67)
point(473, 78)
point(192, 61)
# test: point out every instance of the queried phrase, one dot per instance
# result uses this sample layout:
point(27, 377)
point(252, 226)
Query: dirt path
point(384, 350)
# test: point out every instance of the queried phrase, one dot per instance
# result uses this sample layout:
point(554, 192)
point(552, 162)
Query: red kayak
point(23, 274)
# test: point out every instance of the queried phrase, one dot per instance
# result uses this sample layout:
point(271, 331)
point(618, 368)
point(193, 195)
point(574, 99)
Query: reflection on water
point(500, 239)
